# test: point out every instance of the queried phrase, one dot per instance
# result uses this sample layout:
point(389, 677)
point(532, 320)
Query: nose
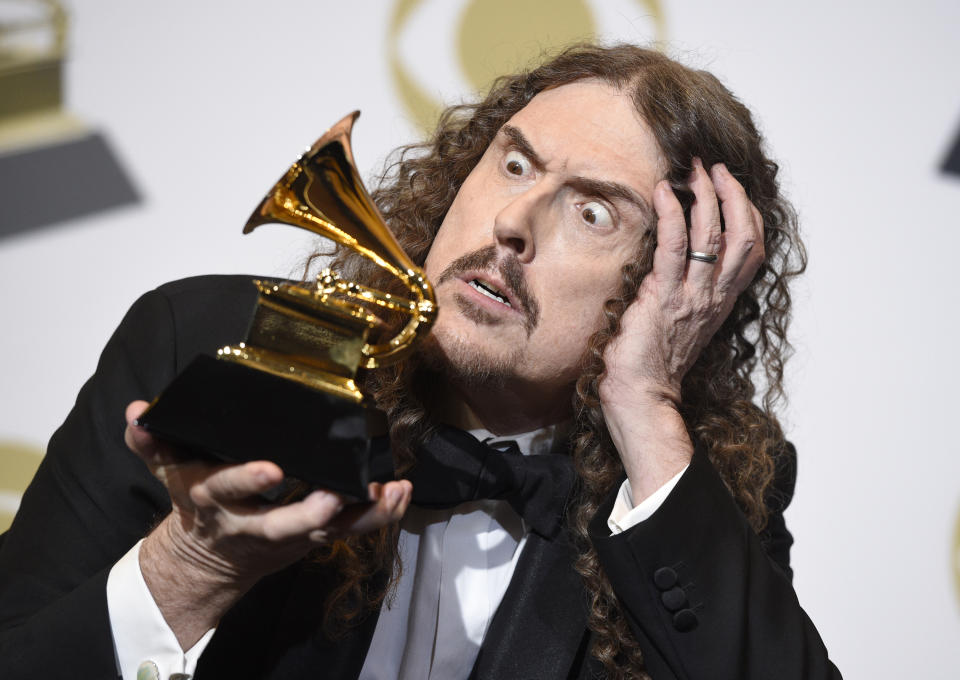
point(515, 226)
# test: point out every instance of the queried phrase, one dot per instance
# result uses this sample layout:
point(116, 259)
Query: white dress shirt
point(457, 562)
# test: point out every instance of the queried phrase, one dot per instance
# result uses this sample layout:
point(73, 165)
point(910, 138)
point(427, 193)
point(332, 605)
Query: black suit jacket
point(705, 596)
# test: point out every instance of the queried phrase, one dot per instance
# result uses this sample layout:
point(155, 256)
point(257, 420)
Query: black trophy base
point(236, 414)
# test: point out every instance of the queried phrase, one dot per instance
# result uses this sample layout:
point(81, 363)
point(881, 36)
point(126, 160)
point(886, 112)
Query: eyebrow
point(519, 140)
point(587, 185)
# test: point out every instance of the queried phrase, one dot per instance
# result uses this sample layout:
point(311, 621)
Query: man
point(610, 253)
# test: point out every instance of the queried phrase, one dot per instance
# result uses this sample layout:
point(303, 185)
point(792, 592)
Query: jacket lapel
point(538, 632)
point(539, 629)
point(276, 631)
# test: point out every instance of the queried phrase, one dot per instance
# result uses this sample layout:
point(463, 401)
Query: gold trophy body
point(289, 392)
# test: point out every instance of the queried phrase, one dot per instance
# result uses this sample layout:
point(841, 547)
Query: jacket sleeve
point(704, 595)
point(92, 498)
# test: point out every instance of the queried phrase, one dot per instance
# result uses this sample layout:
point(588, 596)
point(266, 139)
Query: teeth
point(489, 292)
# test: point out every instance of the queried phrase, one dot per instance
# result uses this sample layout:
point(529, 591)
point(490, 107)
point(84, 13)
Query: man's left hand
point(680, 305)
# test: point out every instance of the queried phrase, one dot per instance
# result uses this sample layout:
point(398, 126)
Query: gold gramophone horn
point(322, 192)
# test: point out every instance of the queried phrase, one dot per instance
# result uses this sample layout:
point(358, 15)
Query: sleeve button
point(685, 620)
point(665, 578)
point(674, 599)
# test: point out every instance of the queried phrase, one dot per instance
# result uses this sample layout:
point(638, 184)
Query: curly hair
point(690, 114)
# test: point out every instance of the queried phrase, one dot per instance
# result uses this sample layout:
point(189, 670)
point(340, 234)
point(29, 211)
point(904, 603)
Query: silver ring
point(702, 257)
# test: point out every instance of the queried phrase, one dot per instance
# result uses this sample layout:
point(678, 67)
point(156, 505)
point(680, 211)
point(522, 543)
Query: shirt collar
point(549, 439)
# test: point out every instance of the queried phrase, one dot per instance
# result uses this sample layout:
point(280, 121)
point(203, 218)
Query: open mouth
point(489, 291)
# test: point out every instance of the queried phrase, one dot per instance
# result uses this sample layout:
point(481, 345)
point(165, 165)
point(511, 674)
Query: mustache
point(510, 270)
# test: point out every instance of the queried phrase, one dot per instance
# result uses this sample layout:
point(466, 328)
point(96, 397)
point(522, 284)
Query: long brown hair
point(691, 114)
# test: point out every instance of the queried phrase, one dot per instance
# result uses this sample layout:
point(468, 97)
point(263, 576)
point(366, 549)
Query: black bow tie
point(453, 467)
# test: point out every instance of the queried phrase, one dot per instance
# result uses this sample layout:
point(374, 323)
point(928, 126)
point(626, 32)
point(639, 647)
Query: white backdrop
point(207, 102)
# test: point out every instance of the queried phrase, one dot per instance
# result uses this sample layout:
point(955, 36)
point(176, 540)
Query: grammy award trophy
point(289, 392)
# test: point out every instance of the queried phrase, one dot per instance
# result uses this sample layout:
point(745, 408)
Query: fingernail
point(333, 500)
point(394, 494)
point(324, 503)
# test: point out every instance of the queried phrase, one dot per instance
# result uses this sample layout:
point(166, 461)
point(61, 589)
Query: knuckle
point(735, 188)
point(728, 184)
point(715, 238)
point(758, 251)
point(231, 483)
point(271, 530)
point(200, 495)
point(705, 307)
point(675, 244)
point(230, 529)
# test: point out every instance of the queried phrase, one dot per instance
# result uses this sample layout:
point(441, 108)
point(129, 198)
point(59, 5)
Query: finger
point(309, 518)
point(705, 232)
point(390, 507)
point(232, 483)
point(670, 257)
point(757, 252)
point(153, 451)
point(757, 220)
point(743, 250)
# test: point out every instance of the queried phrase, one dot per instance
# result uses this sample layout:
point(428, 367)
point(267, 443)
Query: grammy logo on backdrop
point(53, 166)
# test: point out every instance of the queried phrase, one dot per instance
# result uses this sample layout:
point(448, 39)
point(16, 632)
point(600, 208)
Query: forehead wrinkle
point(604, 188)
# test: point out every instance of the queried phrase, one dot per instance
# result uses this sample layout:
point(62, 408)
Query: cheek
point(442, 250)
point(557, 354)
point(461, 232)
point(572, 308)
point(578, 294)
point(570, 316)
point(435, 256)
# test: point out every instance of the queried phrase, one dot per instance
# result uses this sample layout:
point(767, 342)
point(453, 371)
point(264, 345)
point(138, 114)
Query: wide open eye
point(596, 214)
point(516, 164)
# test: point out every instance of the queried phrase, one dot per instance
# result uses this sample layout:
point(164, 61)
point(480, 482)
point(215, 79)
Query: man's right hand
point(220, 538)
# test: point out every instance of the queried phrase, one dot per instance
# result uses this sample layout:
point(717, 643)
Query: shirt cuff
point(624, 515)
point(141, 636)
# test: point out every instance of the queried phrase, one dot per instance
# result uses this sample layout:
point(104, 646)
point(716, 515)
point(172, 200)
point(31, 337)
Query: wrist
point(195, 551)
point(191, 594)
point(640, 405)
point(631, 395)
point(651, 438)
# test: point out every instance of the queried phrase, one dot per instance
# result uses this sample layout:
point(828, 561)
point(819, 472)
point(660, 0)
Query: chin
point(464, 361)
